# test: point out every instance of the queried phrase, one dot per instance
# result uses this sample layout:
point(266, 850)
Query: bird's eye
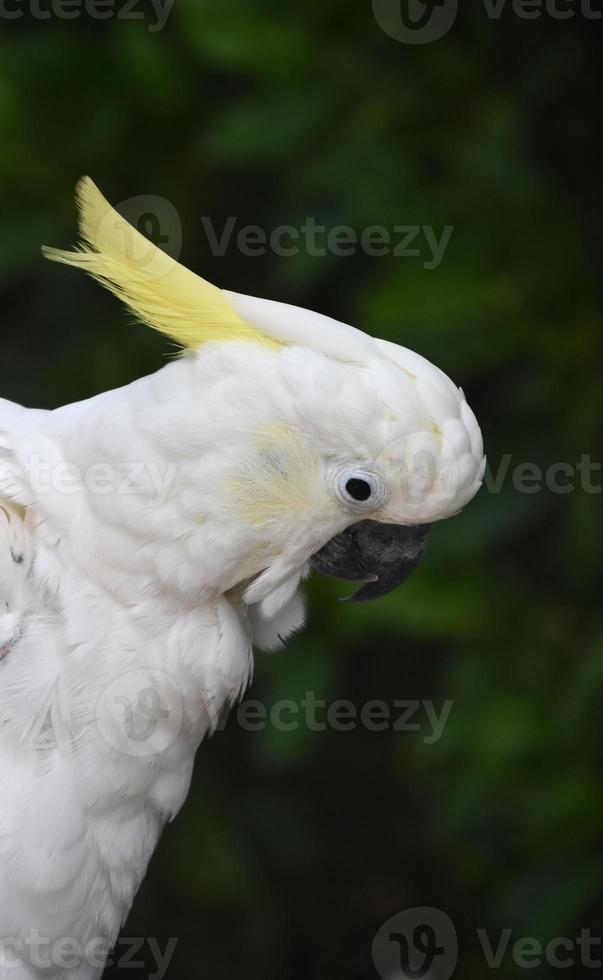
point(360, 489)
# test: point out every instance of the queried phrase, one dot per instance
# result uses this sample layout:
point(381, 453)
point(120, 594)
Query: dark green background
point(295, 847)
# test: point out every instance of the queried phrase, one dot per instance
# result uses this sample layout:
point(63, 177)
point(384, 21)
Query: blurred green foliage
point(295, 846)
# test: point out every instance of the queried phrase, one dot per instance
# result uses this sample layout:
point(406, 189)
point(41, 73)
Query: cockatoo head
point(316, 442)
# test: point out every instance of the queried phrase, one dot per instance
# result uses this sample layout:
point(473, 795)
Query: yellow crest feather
point(161, 292)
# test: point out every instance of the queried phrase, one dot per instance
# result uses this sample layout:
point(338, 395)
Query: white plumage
point(148, 537)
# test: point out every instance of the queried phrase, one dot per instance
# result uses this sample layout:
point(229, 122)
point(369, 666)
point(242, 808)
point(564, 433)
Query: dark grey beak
point(381, 556)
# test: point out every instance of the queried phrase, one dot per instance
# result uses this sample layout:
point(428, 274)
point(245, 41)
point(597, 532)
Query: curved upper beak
point(380, 556)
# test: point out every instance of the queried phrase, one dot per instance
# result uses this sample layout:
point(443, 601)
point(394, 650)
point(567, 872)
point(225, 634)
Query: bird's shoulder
point(16, 544)
point(13, 573)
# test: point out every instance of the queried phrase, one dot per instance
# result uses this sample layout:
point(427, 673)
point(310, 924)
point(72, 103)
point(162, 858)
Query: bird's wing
point(13, 574)
point(15, 545)
point(49, 865)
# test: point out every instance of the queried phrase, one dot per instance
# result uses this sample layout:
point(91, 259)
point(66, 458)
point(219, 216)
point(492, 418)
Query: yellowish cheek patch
point(280, 481)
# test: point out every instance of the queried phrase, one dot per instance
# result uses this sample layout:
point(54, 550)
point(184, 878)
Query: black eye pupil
point(358, 489)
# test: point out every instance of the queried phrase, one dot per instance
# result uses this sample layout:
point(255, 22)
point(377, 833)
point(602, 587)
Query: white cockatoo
point(150, 536)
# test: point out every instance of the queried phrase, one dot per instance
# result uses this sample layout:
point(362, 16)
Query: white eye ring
point(359, 490)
